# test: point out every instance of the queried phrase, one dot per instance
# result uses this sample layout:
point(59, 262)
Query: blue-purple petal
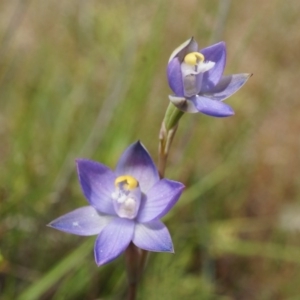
point(212, 108)
point(153, 236)
point(174, 76)
point(159, 200)
point(82, 221)
point(215, 53)
point(227, 86)
point(97, 184)
point(136, 161)
point(113, 240)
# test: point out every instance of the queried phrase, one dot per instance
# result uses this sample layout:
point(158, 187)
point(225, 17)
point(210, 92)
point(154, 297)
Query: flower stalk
point(166, 135)
point(132, 262)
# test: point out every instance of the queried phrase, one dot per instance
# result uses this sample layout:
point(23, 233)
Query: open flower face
point(196, 78)
point(125, 205)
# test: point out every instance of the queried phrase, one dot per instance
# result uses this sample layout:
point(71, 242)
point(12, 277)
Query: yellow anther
point(129, 182)
point(193, 58)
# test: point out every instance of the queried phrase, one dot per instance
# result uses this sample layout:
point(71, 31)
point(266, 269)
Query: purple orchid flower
point(125, 205)
point(196, 78)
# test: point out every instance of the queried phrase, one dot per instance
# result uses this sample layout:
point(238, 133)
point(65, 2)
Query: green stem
point(167, 133)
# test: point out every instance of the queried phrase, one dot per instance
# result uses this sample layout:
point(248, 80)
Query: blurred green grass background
point(86, 79)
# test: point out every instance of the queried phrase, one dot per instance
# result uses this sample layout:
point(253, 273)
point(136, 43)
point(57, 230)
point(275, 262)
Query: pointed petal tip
point(138, 143)
point(221, 43)
point(79, 160)
point(181, 186)
point(246, 75)
point(52, 224)
point(171, 250)
point(103, 262)
point(228, 114)
point(99, 262)
point(135, 145)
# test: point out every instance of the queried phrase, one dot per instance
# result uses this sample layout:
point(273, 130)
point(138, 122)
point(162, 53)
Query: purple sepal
point(153, 236)
point(97, 184)
point(82, 221)
point(215, 53)
point(113, 240)
point(174, 76)
point(212, 108)
point(227, 86)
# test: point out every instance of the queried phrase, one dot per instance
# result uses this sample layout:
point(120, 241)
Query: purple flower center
point(126, 197)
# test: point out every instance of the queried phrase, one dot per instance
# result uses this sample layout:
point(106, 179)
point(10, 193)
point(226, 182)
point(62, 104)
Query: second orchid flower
point(196, 78)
